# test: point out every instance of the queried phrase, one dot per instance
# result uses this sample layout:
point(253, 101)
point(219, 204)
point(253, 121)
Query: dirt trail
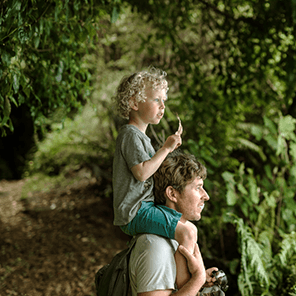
point(10, 193)
point(53, 243)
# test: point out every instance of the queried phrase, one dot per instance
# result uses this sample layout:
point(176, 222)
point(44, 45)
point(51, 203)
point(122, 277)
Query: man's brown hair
point(177, 170)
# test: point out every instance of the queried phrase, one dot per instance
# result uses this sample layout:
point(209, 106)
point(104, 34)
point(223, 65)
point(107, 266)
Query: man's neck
point(172, 205)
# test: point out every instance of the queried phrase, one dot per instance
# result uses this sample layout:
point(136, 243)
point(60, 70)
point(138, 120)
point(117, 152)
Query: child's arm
point(146, 169)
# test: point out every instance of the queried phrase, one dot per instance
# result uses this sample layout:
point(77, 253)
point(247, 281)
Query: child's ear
point(133, 103)
point(171, 194)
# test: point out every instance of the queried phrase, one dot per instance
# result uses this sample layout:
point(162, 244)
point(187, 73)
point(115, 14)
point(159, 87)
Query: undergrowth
point(86, 140)
point(263, 209)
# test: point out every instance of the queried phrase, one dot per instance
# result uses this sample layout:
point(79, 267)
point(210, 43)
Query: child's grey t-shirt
point(132, 147)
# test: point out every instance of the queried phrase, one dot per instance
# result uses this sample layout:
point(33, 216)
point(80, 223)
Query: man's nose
point(162, 105)
point(206, 196)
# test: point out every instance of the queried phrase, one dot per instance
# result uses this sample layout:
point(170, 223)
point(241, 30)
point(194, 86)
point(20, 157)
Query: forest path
point(10, 205)
point(53, 242)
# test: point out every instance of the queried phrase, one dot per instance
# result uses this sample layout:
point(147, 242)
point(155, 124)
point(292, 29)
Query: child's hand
point(194, 262)
point(172, 142)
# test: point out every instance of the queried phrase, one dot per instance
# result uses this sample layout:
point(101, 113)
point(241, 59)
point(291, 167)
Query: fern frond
point(252, 146)
point(265, 239)
point(252, 259)
point(252, 128)
point(288, 248)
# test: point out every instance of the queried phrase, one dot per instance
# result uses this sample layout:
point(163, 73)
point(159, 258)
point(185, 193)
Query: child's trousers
point(154, 219)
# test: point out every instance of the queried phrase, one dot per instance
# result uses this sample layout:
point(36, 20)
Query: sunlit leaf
point(16, 83)
point(115, 14)
point(231, 197)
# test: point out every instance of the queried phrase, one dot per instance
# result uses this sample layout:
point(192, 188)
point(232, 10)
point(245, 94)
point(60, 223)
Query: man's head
point(135, 87)
point(178, 183)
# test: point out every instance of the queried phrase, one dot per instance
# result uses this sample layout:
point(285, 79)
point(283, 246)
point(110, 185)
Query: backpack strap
point(133, 241)
point(124, 262)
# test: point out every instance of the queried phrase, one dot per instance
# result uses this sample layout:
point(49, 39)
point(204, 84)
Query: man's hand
point(194, 261)
point(209, 278)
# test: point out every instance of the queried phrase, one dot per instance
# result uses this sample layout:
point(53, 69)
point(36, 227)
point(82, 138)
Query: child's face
point(152, 110)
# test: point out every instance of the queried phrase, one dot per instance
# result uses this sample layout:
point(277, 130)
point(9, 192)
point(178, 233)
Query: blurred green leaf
point(287, 127)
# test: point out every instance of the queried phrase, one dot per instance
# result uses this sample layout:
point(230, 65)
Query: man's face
point(191, 201)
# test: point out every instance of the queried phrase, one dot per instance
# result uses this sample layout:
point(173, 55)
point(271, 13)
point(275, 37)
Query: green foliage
point(42, 45)
point(268, 207)
point(277, 183)
point(227, 63)
point(264, 272)
point(85, 140)
point(65, 148)
point(290, 282)
point(252, 260)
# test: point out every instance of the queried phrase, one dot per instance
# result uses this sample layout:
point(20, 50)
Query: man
point(179, 186)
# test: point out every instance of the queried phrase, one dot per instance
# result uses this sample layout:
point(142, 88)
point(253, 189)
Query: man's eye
point(156, 100)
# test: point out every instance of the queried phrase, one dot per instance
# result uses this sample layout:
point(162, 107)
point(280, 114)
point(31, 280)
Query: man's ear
point(171, 194)
point(133, 104)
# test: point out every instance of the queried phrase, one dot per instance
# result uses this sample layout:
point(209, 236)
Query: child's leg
point(153, 219)
point(185, 235)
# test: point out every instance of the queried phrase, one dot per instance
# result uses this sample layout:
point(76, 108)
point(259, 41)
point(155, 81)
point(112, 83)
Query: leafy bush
point(42, 44)
point(87, 139)
point(267, 205)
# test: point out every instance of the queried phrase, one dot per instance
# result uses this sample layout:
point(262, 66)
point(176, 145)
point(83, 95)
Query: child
point(141, 99)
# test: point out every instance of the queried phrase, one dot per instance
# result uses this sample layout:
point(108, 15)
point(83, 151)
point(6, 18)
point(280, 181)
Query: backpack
point(113, 279)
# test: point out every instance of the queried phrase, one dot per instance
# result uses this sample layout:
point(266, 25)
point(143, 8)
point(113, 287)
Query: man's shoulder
point(153, 252)
point(152, 264)
point(156, 242)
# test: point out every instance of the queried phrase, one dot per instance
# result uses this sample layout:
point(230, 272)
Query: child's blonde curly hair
point(134, 86)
